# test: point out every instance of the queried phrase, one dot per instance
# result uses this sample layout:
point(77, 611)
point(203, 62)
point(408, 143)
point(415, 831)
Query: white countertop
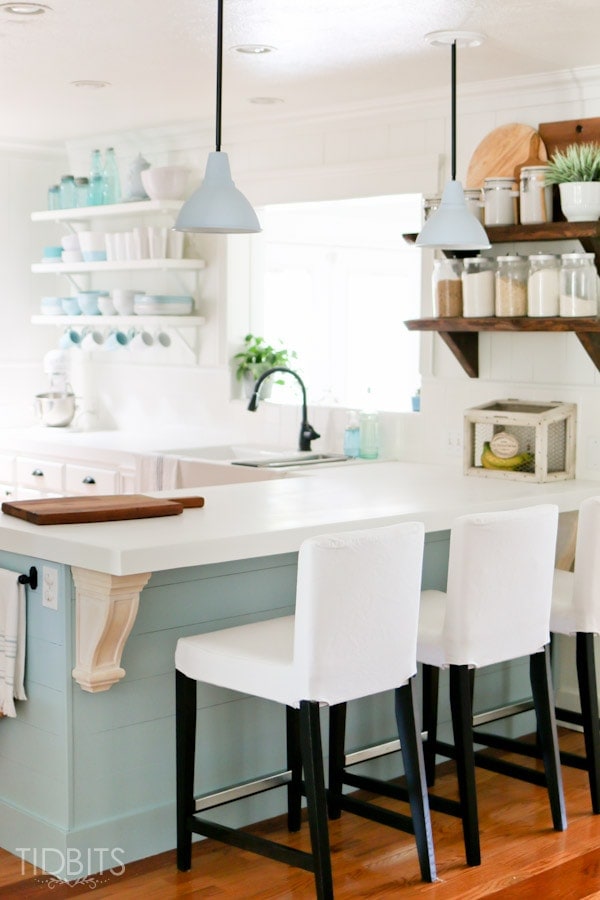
point(241, 521)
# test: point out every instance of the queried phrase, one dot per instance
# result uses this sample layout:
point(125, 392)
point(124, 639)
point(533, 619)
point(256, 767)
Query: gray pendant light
point(217, 206)
point(452, 226)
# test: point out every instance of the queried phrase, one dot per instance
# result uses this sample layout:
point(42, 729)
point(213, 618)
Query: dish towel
point(155, 472)
point(12, 642)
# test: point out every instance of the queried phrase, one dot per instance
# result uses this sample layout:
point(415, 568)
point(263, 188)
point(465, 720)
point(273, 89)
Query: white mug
point(116, 340)
point(175, 241)
point(70, 339)
point(162, 339)
point(91, 339)
point(157, 242)
point(123, 301)
point(140, 239)
point(140, 340)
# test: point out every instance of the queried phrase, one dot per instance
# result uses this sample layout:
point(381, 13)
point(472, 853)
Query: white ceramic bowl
point(71, 256)
point(123, 301)
point(92, 241)
point(106, 305)
point(70, 242)
point(165, 182)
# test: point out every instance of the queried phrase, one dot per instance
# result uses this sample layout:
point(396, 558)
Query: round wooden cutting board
point(503, 152)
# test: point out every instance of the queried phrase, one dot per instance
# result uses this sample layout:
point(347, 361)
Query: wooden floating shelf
point(460, 334)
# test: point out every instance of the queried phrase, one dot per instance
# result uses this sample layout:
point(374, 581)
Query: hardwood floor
point(522, 857)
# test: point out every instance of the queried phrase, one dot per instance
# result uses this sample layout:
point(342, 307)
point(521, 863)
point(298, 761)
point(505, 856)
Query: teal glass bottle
point(96, 180)
point(111, 180)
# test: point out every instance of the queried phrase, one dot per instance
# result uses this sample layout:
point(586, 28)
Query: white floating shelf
point(81, 214)
point(125, 265)
point(112, 321)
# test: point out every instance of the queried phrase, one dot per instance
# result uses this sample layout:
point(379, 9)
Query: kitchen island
point(89, 761)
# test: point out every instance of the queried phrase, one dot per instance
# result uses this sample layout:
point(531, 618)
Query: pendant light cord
point(219, 73)
point(453, 114)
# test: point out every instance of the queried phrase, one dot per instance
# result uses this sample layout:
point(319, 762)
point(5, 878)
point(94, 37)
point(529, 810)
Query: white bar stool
point(356, 593)
point(576, 611)
point(496, 608)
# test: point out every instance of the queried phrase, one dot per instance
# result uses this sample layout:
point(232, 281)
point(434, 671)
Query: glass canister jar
point(67, 192)
point(542, 285)
point(578, 285)
point(500, 201)
point(447, 287)
point(478, 286)
point(511, 286)
point(474, 201)
point(430, 204)
point(535, 197)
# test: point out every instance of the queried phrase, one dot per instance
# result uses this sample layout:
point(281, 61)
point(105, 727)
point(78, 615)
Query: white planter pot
point(249, 381)
point(580, 200)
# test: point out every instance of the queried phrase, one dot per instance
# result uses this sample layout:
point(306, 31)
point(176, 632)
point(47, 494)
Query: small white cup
point(116, 340)
point(140, 340)
point(157, 242)
point(120, 245)
point(70, 339)
point(140, 238)
point(175, 241)
point(91, 340)
point(163, 339)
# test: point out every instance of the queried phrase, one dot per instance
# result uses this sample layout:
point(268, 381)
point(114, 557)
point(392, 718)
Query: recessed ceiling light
point(266, 101)
point(25, 9)
point(92, 85)
point(461, 38)
point(255, 49)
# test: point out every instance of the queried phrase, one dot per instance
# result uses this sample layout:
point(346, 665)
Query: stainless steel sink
point(301, 459)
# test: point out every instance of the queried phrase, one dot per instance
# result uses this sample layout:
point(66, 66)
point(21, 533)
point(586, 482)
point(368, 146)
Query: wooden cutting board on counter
point(503, 152)
point(102, 508)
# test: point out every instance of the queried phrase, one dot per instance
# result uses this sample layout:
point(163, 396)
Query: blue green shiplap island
point(89, 761)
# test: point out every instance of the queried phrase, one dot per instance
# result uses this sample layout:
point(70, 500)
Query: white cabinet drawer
point(91, 480)
point(39, 474)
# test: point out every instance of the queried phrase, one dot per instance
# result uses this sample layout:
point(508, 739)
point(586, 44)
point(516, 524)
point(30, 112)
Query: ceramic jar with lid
point(542, 285)
point(478, 286)
point(430, 204)
point(474, 201)
point(535, 197)
point(500, 201)
point(578, 283)
point(447, 287)
point(511, 286)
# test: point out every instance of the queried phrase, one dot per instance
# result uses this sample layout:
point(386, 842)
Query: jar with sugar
point(511, 286)
point(478, 286)
point(447, 287)
point(542, 285)
point(578, 284)
point(535, 197)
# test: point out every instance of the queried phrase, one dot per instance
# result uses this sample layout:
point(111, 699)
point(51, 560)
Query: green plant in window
point(257, 356)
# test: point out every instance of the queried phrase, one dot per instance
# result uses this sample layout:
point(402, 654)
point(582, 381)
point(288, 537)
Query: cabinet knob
point(89, 479)
point(38, 473)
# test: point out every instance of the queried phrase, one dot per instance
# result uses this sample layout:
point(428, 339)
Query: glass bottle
point(369, 430)
point(578, 285)
point(352, 435)
point(430, 204)
point(474, 201)
point(542, 285)
point(67, 192)
point(96, 181)
point(111, 192)
point(82, 190)
point(447, 287)
point(511, 286)
point(478, 286)
point(535, 196)
point(54, 196)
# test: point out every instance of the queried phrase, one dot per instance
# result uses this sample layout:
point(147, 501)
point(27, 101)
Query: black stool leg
point(312, 758)
point(294, 764)
point(461, 704)
point(588, 695)
point(431, 680)
point(543, 700)
point(337, 758)
point(414, 768)
point(185, 741)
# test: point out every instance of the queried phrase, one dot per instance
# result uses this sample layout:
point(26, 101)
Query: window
point(339, 281)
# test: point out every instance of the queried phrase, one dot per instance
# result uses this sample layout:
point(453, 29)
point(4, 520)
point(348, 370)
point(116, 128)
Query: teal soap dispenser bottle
point(352, 435)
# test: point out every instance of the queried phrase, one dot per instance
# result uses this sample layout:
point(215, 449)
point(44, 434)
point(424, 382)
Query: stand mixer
point(56, 407)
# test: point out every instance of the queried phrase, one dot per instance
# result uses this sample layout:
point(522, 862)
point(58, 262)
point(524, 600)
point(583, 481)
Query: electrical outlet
point(50, 587)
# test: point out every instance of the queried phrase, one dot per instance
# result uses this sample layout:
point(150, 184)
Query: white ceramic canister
point(478, 286)
point(500, 201)
point(535, 197)
point(474, 201)
point(542, 285)
point(578, 283)
point(511, 286)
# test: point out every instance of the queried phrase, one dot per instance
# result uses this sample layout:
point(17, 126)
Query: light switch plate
point(50, 587)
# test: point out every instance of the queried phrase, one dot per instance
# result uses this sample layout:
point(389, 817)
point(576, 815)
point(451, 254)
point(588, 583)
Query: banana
point(489, 460)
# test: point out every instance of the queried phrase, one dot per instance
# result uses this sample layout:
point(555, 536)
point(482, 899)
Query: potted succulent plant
point(576, 171)
point(256, 357)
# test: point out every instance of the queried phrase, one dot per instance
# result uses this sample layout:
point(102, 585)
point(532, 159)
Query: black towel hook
point(31, 579)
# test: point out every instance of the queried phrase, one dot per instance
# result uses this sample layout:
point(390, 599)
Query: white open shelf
point(135, 208)
point(119, 265)
point(132, 321)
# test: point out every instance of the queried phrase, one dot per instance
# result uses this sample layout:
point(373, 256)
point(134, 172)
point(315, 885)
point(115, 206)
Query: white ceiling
point(159, 56)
